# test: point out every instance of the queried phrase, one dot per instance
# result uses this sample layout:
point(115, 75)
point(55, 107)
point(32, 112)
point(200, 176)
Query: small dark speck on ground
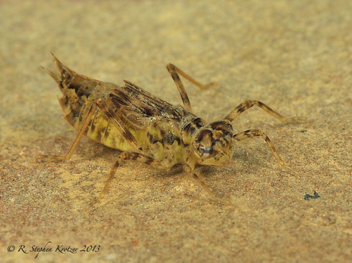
point(309, 197)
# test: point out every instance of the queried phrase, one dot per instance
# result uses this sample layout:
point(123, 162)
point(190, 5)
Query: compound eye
point(224, 127)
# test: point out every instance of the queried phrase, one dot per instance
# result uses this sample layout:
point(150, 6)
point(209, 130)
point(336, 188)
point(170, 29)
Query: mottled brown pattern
point(148, 129)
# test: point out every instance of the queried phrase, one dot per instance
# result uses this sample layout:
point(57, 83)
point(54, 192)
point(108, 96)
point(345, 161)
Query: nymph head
point(212, 144)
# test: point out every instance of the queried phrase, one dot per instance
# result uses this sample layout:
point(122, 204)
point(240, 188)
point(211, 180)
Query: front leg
point(195, 178)
point(247, 104)
point(255, 132)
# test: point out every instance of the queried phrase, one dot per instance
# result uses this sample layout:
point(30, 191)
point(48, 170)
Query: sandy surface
point(295, 57)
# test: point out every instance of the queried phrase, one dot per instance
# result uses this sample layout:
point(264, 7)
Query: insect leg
point(195, 177)
point(174, 71)
point(76, 141)
point(250, 103)
point(124, 156)
point(255, 132)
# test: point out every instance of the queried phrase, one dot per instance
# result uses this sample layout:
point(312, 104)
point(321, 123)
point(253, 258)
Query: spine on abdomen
point(76, 90)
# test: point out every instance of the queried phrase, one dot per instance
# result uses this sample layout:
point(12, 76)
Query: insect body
point(148, 129)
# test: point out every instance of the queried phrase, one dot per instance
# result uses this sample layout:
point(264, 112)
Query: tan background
point(293, 55)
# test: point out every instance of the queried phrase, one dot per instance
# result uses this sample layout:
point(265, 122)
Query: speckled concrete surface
point(293, 55)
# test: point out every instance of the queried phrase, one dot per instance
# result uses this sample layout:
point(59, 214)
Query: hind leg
point(124, 156)
point(76, 141)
